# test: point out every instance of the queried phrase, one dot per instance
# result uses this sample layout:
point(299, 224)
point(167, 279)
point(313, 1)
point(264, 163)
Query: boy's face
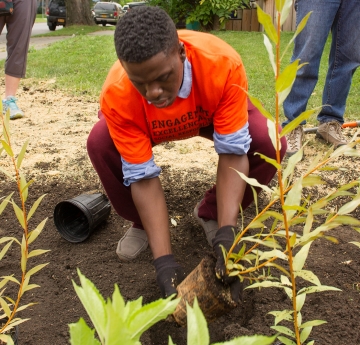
point(158, 79)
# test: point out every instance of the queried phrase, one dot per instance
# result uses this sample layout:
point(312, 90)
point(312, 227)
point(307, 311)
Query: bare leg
point(11, 85)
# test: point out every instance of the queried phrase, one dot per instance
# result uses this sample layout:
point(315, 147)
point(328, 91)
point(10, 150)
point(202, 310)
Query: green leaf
point(19, 214)
point(269, 160)
point(309, 222)
point(6, 338)
point(32, 236)
point(149, 314)
point(293, 197)
point(257, 103)
point(253, 182)
point(93, 303)
point(271, 243)
point(292, 161)
point(270, 51)
point(23, 187)
point(37, 252)
point(269, 28)
point(296, 122)
point(5, 307)
point(7, 148)
point(22, 154)
point(308, 276)
point(250, 340)
point(347, 220)
point(282, 315)
point(30, 287)
point(287, 77)
point(11, 278)
point(34, 270)
point(300, 300)
point(350, 206)
point(305, 334)
point(356, 243)
point(273, 253)
point(197, 331)
point(300, 27)
point(284, 330)
point(5, 202)
point(313, 289)
point(286, 341)
point(285, 10)
point(265, 284)
point(312, 180)
point(81, 334)
point(5, 249)
point(34, 207)
point(300, 257)
point(312, 323)
point(170, 341)
point(272, 133)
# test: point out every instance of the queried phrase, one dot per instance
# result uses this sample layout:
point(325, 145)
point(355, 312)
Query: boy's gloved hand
point(169, 274)
point(225, 236)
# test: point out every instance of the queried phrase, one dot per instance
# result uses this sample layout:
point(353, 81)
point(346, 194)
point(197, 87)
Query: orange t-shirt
point(217, 97)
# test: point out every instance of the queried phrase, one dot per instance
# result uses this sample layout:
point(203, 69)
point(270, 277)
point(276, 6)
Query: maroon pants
point(107, 163)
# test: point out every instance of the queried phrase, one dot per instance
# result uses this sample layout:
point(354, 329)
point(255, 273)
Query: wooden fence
point(246, 20)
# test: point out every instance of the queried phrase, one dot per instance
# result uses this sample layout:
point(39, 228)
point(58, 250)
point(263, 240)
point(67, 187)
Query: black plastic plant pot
point(77, 218)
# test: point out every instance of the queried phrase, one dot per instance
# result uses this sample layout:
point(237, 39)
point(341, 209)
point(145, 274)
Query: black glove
point(225, 236)
point(169, 274)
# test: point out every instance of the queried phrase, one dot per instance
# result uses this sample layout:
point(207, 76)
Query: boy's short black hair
point(143, 32)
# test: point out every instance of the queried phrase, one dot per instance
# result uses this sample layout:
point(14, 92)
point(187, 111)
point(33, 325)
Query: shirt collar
point(185, 88)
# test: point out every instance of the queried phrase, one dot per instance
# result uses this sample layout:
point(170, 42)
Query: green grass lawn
point(40, 18)
point(80, 65)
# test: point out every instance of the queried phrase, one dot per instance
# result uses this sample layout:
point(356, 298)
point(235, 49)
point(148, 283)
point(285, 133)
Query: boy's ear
point(182, 52)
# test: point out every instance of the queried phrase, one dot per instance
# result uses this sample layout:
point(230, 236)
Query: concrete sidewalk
point(43, 42)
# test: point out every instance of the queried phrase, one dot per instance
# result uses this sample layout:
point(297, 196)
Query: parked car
point(56, 14)
point(107, 13)
point(135, 4)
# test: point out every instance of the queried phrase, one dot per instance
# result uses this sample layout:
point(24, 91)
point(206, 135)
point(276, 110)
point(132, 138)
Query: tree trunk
point(78, 12)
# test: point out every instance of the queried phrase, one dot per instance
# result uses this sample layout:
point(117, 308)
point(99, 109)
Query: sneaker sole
point(16, 116)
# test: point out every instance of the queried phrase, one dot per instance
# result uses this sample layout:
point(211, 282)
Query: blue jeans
point(342, 18)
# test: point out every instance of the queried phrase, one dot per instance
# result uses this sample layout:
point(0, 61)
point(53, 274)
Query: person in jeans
point(170, 85)
point(341, 18)
point(19, 26)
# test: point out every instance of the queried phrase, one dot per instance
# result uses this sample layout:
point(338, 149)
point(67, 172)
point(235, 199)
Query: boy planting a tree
point(170, 85)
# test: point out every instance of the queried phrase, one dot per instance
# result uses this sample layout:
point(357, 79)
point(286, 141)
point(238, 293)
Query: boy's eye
point(164, 77)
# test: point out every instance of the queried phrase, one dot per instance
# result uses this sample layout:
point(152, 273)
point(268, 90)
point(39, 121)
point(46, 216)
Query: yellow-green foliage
point(263, 250)
point(10, 303)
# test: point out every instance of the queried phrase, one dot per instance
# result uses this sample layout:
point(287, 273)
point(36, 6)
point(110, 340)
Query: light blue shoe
point(15, 111)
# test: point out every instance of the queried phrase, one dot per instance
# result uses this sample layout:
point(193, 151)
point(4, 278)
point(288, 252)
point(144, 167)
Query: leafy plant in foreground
point(280, 242)
point(10, 306)
point(119, 322)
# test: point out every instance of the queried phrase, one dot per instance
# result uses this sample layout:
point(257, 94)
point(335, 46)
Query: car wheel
point(103, 24)
point(52, 26)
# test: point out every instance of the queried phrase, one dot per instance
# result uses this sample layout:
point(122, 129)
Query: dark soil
point(336, 265)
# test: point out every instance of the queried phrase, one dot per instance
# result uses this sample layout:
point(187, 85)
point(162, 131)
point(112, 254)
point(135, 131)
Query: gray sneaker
point(331, 133)
point(15, 111)
point(210, 226)
point(294, 141)
point(132, 244)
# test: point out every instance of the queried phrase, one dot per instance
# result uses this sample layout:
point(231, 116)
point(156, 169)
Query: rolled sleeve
point(136, 172)
point(237, 143)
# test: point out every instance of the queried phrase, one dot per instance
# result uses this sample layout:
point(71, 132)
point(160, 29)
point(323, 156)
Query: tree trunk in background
point(78, 12)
